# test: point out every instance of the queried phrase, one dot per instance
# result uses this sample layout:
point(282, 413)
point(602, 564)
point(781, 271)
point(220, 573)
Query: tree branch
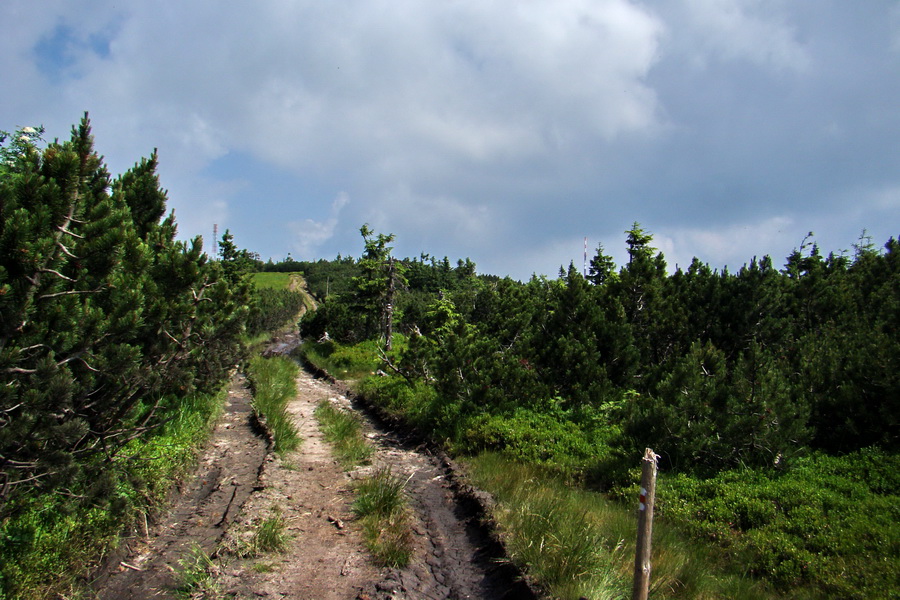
point(58, 274)
point(70, 293)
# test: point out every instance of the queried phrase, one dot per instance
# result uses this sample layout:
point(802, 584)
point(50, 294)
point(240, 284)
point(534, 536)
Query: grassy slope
point(829, 528)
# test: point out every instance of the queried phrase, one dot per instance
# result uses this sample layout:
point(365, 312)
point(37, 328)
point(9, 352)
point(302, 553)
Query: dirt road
point(325, 558)
point(226, 476)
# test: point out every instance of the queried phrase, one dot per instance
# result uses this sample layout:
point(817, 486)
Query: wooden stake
point(645, 526)
point(389, 308)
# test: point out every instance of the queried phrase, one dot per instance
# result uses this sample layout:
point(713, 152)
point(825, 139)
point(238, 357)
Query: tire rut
point(226, 476)
point(455, 557)
point(239, 482)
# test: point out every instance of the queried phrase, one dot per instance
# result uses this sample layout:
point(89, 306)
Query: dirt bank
point(226, 476)
point(239, 484)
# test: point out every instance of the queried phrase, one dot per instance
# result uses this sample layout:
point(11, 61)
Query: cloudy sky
point(506, 131)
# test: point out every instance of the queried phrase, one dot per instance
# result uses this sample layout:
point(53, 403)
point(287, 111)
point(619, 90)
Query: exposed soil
point(240, 483)
point(226, 476)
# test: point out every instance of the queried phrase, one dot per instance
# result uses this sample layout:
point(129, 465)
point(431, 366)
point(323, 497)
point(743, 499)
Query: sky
point(504, 131)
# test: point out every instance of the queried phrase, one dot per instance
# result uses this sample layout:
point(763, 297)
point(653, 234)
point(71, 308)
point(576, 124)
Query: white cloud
point(486, 129)
point(309, 235)
point(732, 245)
point(752, 30)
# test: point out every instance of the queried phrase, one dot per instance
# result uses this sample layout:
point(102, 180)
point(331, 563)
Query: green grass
point(343, 362)
point(577, 544)
point(380, 502)
point(829, 524)
point(343, 431)
point(825, 527)
point(274, 385)
point(197, 576)
point(275, 281)
point(382, 508)
point(268, 535)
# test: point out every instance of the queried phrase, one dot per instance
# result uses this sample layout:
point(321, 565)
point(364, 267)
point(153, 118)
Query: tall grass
point(343, 430)
point(577, 544)
point(381, 506)
point(274, 384)
point(343, 362)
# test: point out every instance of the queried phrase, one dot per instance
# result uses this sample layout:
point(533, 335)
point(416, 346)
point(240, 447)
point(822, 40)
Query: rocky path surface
point(325, 558)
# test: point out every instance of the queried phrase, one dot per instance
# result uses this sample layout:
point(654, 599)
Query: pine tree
point(380, 277)
point(106, 321)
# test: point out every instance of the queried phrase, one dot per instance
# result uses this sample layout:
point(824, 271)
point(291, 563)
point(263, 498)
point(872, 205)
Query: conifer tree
point(380, 276)
point(105, 319)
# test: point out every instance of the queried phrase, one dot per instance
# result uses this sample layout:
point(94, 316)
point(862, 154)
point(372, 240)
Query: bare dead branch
point(65, 250)
point(69, 293)
point(58, 274)
point(63, 229)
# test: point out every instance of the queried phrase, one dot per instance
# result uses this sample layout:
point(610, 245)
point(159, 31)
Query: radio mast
point(215, 244)
point(585, 258)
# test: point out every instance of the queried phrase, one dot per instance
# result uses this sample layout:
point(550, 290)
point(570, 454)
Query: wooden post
point(645, 526)
point(389, 308)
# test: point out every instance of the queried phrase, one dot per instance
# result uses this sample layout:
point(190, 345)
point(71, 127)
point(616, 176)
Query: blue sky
point(504, 131)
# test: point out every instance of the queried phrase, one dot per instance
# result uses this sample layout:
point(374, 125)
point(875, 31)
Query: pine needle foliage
point(110, 329)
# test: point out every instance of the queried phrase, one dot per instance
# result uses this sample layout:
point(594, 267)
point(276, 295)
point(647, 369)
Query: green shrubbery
point(114, 340)
point(830, 522)
point(343, 361)
point(740, 378)
point(49, 540)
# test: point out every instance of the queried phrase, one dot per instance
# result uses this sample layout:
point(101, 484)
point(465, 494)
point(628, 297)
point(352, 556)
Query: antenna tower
point(215, 244)
point(585, 258)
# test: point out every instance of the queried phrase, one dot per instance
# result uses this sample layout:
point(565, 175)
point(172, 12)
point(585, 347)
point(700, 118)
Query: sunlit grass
point(381, 506)
point(343, 362)
point(343, 431)
point(275, 281)
point(197, 576)
point(577, 544)
point(274, 385)
point(51, 539)
point(268, 535)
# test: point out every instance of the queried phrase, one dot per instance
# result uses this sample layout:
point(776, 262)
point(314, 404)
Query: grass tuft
point(381, 506)
point(344, 432)
point(269, 536)
point(274, 384)
point(197, 576)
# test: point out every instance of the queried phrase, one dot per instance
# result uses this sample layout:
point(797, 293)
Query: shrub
point(830, 523)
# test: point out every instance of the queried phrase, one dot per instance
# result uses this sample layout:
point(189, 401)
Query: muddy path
point(227, 474)
point(325, 558)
